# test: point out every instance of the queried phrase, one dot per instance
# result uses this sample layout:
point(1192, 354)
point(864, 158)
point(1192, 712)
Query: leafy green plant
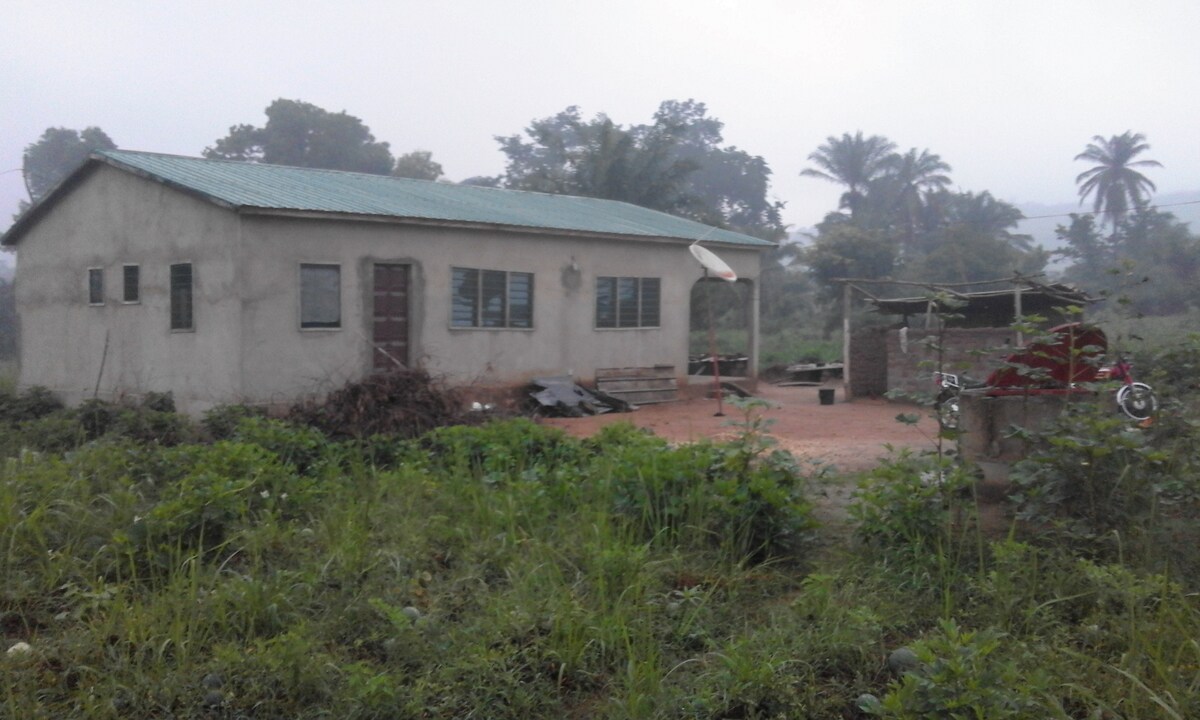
point(908, 507)
point(221, 422)
point(966, 674)
point(31, 404)
point(1094, 480)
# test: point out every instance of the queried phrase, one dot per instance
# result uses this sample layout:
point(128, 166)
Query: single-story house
point(228, 281)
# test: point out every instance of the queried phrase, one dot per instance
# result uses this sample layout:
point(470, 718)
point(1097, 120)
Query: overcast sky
point(1006, 92)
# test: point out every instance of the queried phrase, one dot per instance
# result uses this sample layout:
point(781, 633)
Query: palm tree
point(910, 175)
point(851, 160)
point(1116, 185)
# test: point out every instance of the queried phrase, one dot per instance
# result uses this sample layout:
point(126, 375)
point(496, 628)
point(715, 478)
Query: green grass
point(510, 571)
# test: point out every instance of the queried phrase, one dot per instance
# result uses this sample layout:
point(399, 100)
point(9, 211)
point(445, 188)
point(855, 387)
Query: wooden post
point(847, 295)
point(1017, 305)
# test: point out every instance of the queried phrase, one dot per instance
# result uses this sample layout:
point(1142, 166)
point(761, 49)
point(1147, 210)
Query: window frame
point(137, 284)
point(174, 294)
point(479, 312)
point(95, 287)
point(312, 324)
point(647, 311)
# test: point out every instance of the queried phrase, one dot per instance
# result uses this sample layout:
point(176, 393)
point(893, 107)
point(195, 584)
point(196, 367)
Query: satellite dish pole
point(709, 261)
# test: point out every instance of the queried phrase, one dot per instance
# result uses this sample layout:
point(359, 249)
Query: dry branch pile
point(404, 403)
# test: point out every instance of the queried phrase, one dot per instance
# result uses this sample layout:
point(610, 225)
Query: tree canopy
point(853, 161)
point(1113, 183)
point(903, 222)
point(56, 154)
point(417, 165)
point(675, 164)
point(303, 135)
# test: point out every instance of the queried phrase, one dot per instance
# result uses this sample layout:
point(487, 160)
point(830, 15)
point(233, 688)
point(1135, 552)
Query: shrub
point(31, 404)
point(147, 425)
point(1095, 481)
point(221, 422)
point(964, 674)
point(97, 417)
point(56, 432)
point(745, 496)
point(907, 507)
point(303, 448)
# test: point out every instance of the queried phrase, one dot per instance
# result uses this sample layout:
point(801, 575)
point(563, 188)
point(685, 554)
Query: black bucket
point(826, 395)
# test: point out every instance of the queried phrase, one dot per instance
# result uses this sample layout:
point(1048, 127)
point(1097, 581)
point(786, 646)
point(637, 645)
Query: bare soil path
point(851, 436)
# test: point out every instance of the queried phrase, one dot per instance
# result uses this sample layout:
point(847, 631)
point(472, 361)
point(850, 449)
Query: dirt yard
point(848, 435)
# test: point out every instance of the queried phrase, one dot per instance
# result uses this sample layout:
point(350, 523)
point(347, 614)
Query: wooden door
point(390, 308)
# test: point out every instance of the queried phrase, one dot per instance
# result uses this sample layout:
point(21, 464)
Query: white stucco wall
point(281, 360)
point(110, 219)
point(248, 345)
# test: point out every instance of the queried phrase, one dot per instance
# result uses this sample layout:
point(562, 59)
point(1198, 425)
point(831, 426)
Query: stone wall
point(880, 362)
point(973, 352)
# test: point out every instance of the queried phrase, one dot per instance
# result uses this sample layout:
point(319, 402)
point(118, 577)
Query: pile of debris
point(401, 402)
point(562, 397)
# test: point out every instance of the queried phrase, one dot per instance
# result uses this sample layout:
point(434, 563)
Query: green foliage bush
point(908, 507)
point(1096, 481)
point(512, 571)
point(966, 674)
point(221, 422)
point(31, 404)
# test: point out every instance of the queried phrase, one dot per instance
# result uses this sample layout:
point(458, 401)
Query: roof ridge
point(244, 185)
point(258, 163)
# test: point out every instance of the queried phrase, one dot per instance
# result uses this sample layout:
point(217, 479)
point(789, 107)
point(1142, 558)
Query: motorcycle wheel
point(947, 411)
point(1137, 401)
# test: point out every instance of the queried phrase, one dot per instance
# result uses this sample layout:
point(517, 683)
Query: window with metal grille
point(491, 299)
point(181, 297)
point(628, 302)
point(131, 277)
point(320, 296)
point(95, 286)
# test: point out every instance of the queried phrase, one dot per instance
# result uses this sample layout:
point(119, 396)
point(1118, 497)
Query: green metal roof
point(256, 186)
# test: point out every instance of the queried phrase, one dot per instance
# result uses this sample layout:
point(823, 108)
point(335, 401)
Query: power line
point(1093, 212)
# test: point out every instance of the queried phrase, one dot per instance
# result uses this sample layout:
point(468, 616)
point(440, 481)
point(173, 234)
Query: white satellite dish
point(712, 263)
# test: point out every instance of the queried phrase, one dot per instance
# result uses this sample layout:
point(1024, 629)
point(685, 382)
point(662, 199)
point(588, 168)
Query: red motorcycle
point(1053, 368)
point(1135, 399)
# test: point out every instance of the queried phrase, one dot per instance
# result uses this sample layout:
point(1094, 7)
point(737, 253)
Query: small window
point(628, 302)
point(491, 299)
point(95, 286)
point(132, 291)
point(181, 297)
point(320, 296)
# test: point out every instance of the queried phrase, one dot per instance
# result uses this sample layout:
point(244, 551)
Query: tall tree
point(565, 154)
point(1149, 263)
point(675, 164)
point(303, 135)
point(914, 174)
point(853, 161)
point(1114, 184)
point(730, 187)
point(56, 154)
point(968, 237)
point(417, 165)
